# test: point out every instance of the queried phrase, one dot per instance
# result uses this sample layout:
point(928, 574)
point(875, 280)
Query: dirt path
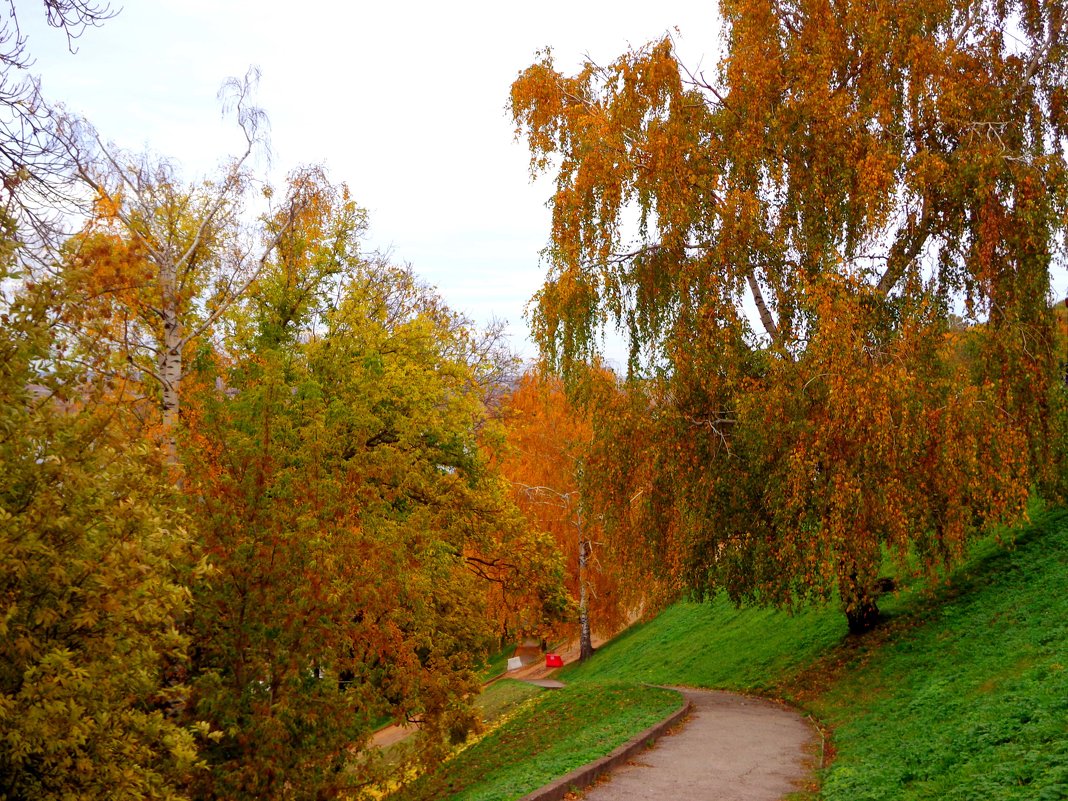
point(732, 748)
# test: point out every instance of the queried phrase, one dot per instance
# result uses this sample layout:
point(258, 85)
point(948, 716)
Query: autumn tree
point(553, 460)
point(349, 516)
point(548, 443)
point(92, 582)
point(807, 218)
point(161, 262)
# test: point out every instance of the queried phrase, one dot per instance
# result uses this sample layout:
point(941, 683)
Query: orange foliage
point(549, 460)
point(808, 216)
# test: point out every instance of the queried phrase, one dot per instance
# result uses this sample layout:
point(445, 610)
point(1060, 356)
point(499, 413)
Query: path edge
point(586, 775)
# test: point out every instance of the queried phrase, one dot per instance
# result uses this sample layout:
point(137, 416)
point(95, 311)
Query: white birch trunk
point(170, 360)
point(585, 635)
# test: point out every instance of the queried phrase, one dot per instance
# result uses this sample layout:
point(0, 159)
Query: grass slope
point(496, 664)
point(962, 694)
point(969, 698)
point(502, 698)
point(714, 645)
point(545, 737)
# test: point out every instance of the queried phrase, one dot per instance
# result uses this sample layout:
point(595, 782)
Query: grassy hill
point(961, 694)
point(966, 696)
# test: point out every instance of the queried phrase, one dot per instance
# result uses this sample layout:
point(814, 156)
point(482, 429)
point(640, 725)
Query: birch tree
point(550, 442)
point(852, 173)
point(167, 260)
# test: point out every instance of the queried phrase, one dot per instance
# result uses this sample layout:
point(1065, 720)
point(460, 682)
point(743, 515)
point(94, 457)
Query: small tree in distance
point(549, 441)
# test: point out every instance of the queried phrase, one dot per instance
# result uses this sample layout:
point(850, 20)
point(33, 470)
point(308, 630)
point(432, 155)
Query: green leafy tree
point(349, 515)
point(91, 583)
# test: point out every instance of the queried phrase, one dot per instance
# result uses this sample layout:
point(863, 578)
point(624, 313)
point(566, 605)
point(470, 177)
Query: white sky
point(405, 102)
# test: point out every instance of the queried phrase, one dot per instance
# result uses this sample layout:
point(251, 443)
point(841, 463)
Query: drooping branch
point(1042, 52)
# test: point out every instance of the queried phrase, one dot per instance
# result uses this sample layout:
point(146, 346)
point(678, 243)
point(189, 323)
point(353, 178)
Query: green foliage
point(547, 737)
point(322, 419)
point(91, 588)
point(350, 517)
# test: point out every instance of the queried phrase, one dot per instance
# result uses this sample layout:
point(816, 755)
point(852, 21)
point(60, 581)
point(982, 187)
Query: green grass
point(546, 737)
point(961, 694)
point(502, 697)
point(496, 664)
point(970, 699)
point(714, 645)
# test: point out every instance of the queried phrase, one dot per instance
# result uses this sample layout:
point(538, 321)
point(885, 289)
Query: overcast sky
point(404, 102)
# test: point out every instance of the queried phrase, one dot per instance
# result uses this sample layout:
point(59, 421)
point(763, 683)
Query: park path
point(534, 671)
point(732, 748)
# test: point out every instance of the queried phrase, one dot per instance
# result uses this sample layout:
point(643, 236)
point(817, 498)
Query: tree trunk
point(858, 588)
point(585, 638)
point(170, 358)
point(170, 371)
point(863, 615)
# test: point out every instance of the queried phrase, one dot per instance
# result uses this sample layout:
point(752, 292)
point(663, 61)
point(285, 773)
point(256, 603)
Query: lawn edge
point(586, 775)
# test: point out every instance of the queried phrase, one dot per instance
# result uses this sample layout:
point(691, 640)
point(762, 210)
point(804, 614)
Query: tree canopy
point(266, 475)
point(93, 569)
point(784, 242)
point(340, 494)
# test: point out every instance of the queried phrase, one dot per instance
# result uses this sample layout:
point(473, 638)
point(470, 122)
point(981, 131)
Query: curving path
point(732, 748)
